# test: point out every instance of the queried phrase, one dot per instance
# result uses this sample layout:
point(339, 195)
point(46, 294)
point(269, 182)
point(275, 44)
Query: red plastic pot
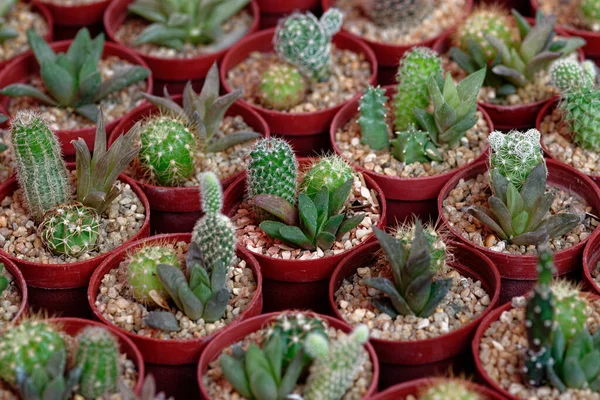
point(77, 14)
point(519, 272)
point(73, 275)
point(305, 131)
point(173, 351)
point(416, 387)
point(591, 256)
point(405, 196)
point(176, 209)
point(21, 285)
point(271, 11)
point(20, 70)
point(233, 334)
point(172, 71)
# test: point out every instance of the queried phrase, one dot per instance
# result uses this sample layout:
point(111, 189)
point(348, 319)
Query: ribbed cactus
point(167, 152)
point(211, 193)
point(70, 229)
point(437, 248)
point(589, 12)
point(305, 42)
point(570, 308)
point(449, 390)
point(98, 358)
point(416, 66)
point(336, 364)
point(567, 74)
point(330, 172)
point(281, 87)
point(41, 171)
point(373, 126)
point(413, 145)
point(402, 14)
point(141, 272)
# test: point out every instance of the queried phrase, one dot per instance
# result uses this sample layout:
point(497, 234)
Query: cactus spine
point(567, 74)
point(373, 126)
point(404, 14)
point(281, 87)
point(450, 390)
point(141, 272)
point(570, 308)
point(413, 145)
point(330, 172)
point(41, 171)
point(98, 356)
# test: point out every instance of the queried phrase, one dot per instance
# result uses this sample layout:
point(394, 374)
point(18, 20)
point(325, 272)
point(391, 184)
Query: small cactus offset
point(449, 390)
point(335, 364)
point(570, 308)
point(567, 74)
point(329, 172)
point(403, 14)
point(437, 248)
point(413, 145)
point(98, 358)
point(374, 130)
point(589, 12)
point(41, 171)
point(211, 193)
point(281, 87)
point(416, 66)
point(6, 32)
point(141, 273)
point(305, 42)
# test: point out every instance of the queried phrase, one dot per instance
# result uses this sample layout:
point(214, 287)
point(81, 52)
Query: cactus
point(336, 364)
point(570, 308)
point(589, 12)
point(6, 32)
point(437, 248)
point(373, 126)
point(167, 151)
point(329, 172)
point(41, 171)
point(305, 42)
point(281, 87)
point(98, 358)
point(449, 390)
point(141, 273)
point(567, 74)
point(70, 229)
point(403, 14)
point(211, 193)
point(4, 283)
point(416, 66)
point(414, 145)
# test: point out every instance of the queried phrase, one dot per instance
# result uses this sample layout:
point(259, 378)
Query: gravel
point(566, 13)
point(118, 306)
point(10, 300)
point(7, 158)
point(21, 17)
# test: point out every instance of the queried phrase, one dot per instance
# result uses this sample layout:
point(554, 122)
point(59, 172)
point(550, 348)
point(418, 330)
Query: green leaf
point(387, 287)
point(192, 306)
point(338, 197)
point(294, 235)
point(590, 364)
point(216, 111)
point(427, 122)
point(321, 202)
point(209, 92)
point(468, 88)
point(519, 222)
point(419, 258)
point(147, 12)
point(59, 83)
point(531, 238)
point(325, 240)
point(522, 24)
point(488, 220)
point(500, 47)
point(216, 306)
point(292, 374)
point(540, 210)
point(418, 291)
point(89, 111)
point(88, 87)
point(273, 350)
point(332, 225)
point(42, 52)
point(121, 80)
point(163, 320)
point(514, 202)
point(502, 215)
point(225, 10)
point(308, 216)
point(230, 140)
point(463, 60)
point(534, 187)
point(535, 41)
point(560, 224)
point(510, 74)
point(439, 289)
point(276, 206)
point(23, 90)
point(218, 276)
point(77, 52)
point(272, 228)
point(395, 252)
point(573, 374)
point(540, 62)
point(235, 372)
point(8, 32)
point(155, 33)
point(166, 105)
point(349, 224)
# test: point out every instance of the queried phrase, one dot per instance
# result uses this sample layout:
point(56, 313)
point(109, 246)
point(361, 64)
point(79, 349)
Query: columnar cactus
point(41, 171)
point(589, 12)
point(141, 273)
point(403, 14)
point(211, 193)
point(329, 172)
point(98, 358)
point(304, 41)
point(281, 87)
point(416, 66)
point(167, 151)
point(437, 248)
point(374, 130)
point(335, 365)
point(570, 308)
point(450, 390)
point(413, 145)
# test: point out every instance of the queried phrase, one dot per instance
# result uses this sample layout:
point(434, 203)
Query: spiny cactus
point(449, 390)
point(167, 151)
point(567, 74)
point(416, 66)
point(70, 229)
point(413, 145)
point(373, 126)
point(211, 193)
point(305, 42)
point(330, 172)
point(98, 358)
point(281, 87)
point(336, 364)
point(402, 14)
point(570, 308)
point(41, 171)
point(589, 12)
point(413, 290)
point(6, 32)
point(437, 248)
point(141, 273)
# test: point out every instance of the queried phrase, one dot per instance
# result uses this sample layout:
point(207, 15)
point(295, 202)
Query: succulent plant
point(519, 205)
point(281, 87)
point(72, 79)
point(142, 277)
point(335, 364)
point(175, 23)
point(374, 130)
point(589, 12)
point(416, 66)
point(148, 391)
point(449, 390)
point(4, 283)
point(6, 32)
point(414, 145)
point(305, 42)
point(98, 358)
point(570, 75)
point(437, 248)
point(570, 308)
point(330, 172)
point(402, 14)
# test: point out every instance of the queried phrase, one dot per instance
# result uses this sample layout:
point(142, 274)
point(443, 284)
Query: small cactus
point(211, 193)
point(167, 152)
point(141, 273)
point(41, 171)
point(402, 14)
point(374, 130)
point(414, 145)
point(70, 229)
point(449, 390)
point(589, 12)
point(570, 308)
point(281, 87)
point(567, 74)
point(437, 248)
point(329, 172)
point(98, 358)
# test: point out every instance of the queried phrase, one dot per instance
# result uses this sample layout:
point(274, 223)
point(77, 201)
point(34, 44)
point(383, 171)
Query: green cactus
point(70, 229)
point(330, 172)
point(98, 358)
point(374, 130)
point(413, 145)
point(305, 42)
point(41, 171)
point(416, 66)
point(570, 308)
point(567, 74)
point(449, 390)
point(211, 193)
point(6, 32)
point(589, 12)
point(167, 151)
point(437, 248)
point(4, 283)
point(141, 273)
point(281, 87)
point(336, 364)
point(402, 14)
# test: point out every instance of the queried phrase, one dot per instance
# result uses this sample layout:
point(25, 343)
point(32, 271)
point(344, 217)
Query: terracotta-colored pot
point(305, 131)
point(12, 269)
point(172, 71)
point(176, 209)
point(591, 257)
point(72, 275)
point(172, 351)
point(22, 68)
point(233, 334)
point(78, 15)
point(547, 110)
point(405, 196)
point(416, 387)
point(519, 272)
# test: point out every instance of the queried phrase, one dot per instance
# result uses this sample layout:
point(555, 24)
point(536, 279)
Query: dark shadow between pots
point(178, 381)
point(279, 296)
point(60, 303)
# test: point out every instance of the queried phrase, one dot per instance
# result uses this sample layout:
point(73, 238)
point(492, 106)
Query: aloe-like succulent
point(6, 32)
point(177, 22)
point(72, 79)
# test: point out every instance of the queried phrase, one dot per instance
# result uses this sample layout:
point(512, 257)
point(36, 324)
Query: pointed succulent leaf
point(121, 80)
point(55, 389)
point(519, 222)
point(166, 105)
point(321, 201)
point(487, 220)
point(163, 320)
point(463, 60)
point(531, 238)
point(230, 140)
point(395, 253)
point(217, 110)
point(294, 235)
point(573, 374)
point(514, 201)
point(349, 224)
point(387, 287)
point(500, 47)
point(338, 197)
point(325, 240)
point(384, 305)
point(308, 215)
point(273, 350)
point(216, 306)
point(522, 23)
point(502, 214)
point(78, 48)
point(59, 83)
point(535, 41)
point(439, 289)
point(171, 278)
point(419, 258)
point(272, 228)
point(540, 209)
point(192, 307)
point(158, 32)
point(572, 44)
point(89, 111)
point(292, 374)
point(218, 276)
point(427, 122)
point(276, 206)
point(235, 373)
point(511, 74)
point(454, 133)
point(418, 291)
point(590, 364)
point(540, 62)
point(469, 87)
point(561, 224)
point(42, 52)
point(210, 90)
point(225, 10)
point(333, 224)
point(534, 186)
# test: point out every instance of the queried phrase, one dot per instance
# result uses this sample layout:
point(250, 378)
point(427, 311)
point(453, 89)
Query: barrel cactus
point(141, 272)
point(98, 357)
point(281, 87)
point(449, 390)
point(330, 172)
